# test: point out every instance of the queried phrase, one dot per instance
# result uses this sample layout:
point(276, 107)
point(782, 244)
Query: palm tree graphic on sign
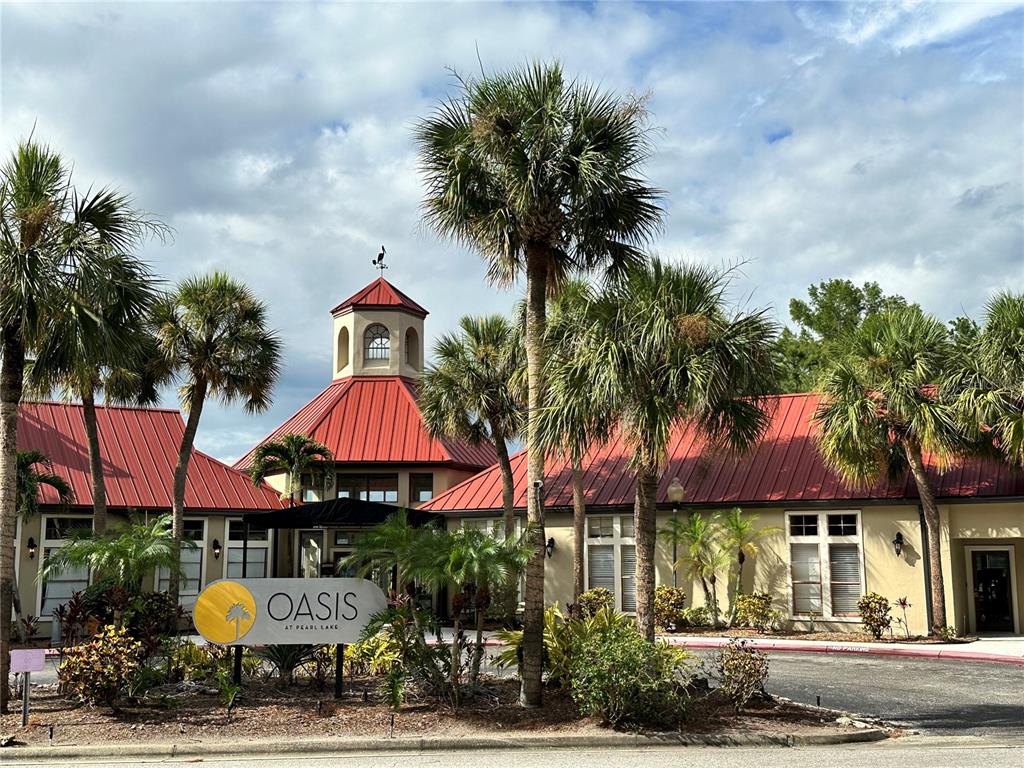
point(237, 613)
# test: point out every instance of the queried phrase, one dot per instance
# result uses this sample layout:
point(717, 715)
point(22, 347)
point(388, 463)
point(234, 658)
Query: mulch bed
point(268, 712)
point(830, 637)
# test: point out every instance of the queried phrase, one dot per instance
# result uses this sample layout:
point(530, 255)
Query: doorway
point(311, 548)
point(991, 580)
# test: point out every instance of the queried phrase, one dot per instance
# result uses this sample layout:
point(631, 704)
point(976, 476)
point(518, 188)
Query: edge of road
point(329, 746)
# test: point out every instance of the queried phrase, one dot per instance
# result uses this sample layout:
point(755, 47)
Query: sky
point(801, 141)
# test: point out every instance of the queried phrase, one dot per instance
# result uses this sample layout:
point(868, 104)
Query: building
point(832, 543)
point(140, 451)
point(368, 417)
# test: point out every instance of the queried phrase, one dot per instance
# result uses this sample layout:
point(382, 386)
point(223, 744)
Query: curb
point(922, 653)
point(330, 746)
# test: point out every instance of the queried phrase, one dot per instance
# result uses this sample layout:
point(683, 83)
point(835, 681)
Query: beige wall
point(355, 323)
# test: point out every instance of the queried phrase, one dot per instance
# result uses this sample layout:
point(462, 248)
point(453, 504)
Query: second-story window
point(376, 343)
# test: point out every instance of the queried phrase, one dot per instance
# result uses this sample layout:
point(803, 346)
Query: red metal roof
point(140, 451)
point(375, 419)
point(784, 468)
point(380, 294)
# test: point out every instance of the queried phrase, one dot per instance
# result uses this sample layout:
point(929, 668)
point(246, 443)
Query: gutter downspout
point(926, 561)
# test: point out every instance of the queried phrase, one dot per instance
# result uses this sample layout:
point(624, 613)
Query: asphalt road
point(935, 697)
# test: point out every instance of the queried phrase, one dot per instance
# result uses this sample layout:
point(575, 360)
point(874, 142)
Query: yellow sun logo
point(224, 612)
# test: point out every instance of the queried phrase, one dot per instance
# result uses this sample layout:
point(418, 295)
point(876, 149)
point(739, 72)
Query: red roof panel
point(380, 294)
point(784, 467)
point(140, 451)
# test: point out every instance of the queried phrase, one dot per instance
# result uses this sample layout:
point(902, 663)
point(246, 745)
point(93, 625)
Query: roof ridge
point(104, 406)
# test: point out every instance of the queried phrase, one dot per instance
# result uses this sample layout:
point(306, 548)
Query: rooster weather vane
point(378, 263)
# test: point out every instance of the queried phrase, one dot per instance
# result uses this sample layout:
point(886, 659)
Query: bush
point(874, 614)
point(755, 611)
point(742, 671)
point(625, 680)
point(286, 658)
point(150, 617)
point(593, 600)
point(100, 671)
point(698, 616)
point(669, 604)
point(191, 662)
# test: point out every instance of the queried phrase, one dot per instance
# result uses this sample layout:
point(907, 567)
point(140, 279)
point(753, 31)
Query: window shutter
point(845, 577)
point(601, 564)
point(628, 553)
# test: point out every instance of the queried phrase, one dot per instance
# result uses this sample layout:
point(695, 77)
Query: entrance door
point(311, 549)
point(991, 573)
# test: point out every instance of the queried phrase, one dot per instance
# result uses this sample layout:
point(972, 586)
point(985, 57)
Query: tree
point(662, 351)
point(295, 456)
point(987, 379)
point(881, 411)
point(34, 471)
point(741, 539)
point(834, 308)
point(212, 333)
point(541, 176)
point(704, 558)
point(51, 240)
point(125, 554)
point(469, 392)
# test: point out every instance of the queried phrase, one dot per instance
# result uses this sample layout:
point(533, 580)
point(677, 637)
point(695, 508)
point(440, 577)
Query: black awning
point(334, 512)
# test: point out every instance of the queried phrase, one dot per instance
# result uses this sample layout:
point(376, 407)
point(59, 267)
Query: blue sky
point(806, 141)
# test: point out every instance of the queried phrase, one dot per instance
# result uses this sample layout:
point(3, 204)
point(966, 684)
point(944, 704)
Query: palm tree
point(126, 554)
point(988, 379)
point(295, 456)
point(661, 351)
point(396, 544)
point(880, 411)
point(704, 558)
point(237, 613)
point(541, 176)
point(469, 392)
point(212, 332)
point(50, 239)
point(741, 538)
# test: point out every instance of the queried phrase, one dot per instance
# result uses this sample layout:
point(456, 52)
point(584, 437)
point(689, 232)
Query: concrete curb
point(806, 646)
point(330, 746)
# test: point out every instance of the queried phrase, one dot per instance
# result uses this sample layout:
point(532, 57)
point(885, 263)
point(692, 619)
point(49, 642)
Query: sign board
point(267, 611)
point(28, 660)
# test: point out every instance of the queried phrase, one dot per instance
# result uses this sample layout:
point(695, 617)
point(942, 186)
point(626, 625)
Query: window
point(191, 564)
point(825, 557)
point(492, 526)
point(380, 488)
point(58, 590)
point(257, 553)
point(611, 558)
point(376, 343)
point(421, 488)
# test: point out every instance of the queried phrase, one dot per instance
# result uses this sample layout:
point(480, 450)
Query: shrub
point(625, 680)
point(99, 671)
point(375, 654)
point(742, 671)
point(698, 616)
point(144, 679)
point(669, 604)
point(286, 658)
point(593, 600)
point(948, 633)
point(755, 611)
point(191, 662)
point(874, 613)
point(149, 617)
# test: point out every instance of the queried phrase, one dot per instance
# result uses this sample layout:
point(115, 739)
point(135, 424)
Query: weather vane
point(378, 263)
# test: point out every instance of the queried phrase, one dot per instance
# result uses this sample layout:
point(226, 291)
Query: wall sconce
point(217, 549)
point(550, 547)
point(897, 544)
point(31, 546)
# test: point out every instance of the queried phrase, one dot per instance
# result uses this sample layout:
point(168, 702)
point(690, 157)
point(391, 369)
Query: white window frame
point(823, 540)
point(230, 544)
point(617, 541)
point(188, 601)
point(44, 545)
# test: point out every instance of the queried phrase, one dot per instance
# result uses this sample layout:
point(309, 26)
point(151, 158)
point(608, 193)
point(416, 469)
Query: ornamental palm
point(880, 411)
point(741, 539)
point(294, 455)
point(541, 176)
point(212, 333)
point(662, 351)
point(469, 392)
point(704, 558)
point(50, 238)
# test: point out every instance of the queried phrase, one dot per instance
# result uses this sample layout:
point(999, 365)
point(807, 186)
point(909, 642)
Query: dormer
point(378, 332)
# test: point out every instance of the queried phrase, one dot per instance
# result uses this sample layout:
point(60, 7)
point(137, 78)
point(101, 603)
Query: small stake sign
point(26, 661)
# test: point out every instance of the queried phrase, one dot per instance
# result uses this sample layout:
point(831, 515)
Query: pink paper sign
point(28, 660)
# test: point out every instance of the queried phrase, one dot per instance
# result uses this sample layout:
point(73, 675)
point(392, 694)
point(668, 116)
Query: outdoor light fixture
point(897, 543)
point(675, 495)
point(217, 549)
point(550, 546)
point(31, 546)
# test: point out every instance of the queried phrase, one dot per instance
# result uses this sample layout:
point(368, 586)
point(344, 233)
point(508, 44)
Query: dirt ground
point(267, 712)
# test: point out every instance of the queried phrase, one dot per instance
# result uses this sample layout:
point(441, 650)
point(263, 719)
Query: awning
point(334, 513)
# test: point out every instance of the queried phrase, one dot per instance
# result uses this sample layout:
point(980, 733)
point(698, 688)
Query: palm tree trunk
point(188, 438)
point(11, 385)
point(579, 515)
point(508, 495)
point(478, 651)
point(936, 586)
point(92, 434)
point(456, 661)
point(738, 590)
point(531, 693)
point(645, 532)
point(714, 601)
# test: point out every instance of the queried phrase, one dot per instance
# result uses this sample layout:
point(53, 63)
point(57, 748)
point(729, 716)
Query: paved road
point(935, 697)
point(917, 752)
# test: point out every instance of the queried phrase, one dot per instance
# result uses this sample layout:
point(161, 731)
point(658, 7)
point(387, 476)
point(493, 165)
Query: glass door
point(993, 606)
point(311, 549)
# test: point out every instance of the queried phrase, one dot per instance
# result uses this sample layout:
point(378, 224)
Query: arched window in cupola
point(376, 343)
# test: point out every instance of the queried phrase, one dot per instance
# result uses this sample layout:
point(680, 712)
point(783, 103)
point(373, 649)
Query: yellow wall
point(398, 323)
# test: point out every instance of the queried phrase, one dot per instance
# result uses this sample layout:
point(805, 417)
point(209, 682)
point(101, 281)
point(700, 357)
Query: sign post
point(26, 661)
point(339, 670)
